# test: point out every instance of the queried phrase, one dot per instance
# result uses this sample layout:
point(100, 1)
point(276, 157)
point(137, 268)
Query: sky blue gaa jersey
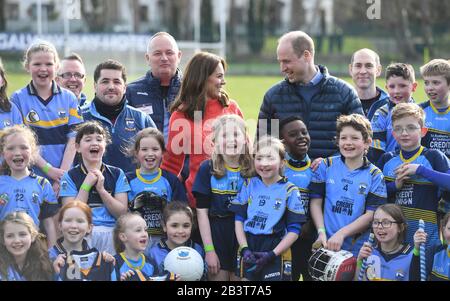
point(162, 182)
point(437, 264)
point(13, 275)
point(272, 209)
point(418, 197)
point(32, 194)
point(220, 192)
point(300, 174)
point(147, 266)
point(86, 265)
point(52, 121)
point(347, 194)
point(115, 182)
point(389, 267)
point(11, 118)
point(438, 124)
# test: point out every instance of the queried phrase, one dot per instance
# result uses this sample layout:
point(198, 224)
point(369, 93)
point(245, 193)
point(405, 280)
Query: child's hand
point(100, 180)
point(315, 164)
point(335, 242)
point(213, 262)
point(419, 237)
point(109, 258)
point(321, 241)
point(91, 178)
point(126, 275)
point(406, 169)
point(365, 251)
point(59, 262)
point(56, 187)
point(55, 173)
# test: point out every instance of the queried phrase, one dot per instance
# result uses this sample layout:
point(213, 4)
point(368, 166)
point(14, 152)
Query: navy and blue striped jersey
point(418, 197)
point(58, 248)
point(347, 194)
point(272, 209)
point(87, 265)
point(115, 182)
point(389, 267)
point(145, 265)
point(437, 264)
point(11, 118)
point(300, 174)
point(32, 194)
point(52, 121)
point(160, 250)
point(438, 124)
point(217, 193)
point(162, 183)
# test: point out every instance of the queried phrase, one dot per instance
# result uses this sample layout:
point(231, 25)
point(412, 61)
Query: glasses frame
point(69, 75)
point(408, 130)
point(375, 224)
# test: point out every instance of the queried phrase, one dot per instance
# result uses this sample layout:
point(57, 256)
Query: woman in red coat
point(200, 101)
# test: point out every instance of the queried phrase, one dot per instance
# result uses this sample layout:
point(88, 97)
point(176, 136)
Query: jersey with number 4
point(347, 194)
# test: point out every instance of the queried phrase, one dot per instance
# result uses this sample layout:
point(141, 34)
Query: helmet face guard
point(150, 206)
point(327, 265)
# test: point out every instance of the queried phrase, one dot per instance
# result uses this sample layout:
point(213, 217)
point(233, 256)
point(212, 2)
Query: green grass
point(248, 91)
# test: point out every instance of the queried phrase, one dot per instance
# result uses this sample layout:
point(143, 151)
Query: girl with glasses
point(389, 258)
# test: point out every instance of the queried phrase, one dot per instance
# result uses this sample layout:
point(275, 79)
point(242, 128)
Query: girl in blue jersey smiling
point(269, 213)
point(49, 110)
point(21, 189)
point(217, 183)
point(23, 253)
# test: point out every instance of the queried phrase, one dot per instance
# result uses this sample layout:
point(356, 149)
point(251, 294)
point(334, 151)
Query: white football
point(186, 262)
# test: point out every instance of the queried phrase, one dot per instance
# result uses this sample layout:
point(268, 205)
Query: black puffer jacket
point(335, 98)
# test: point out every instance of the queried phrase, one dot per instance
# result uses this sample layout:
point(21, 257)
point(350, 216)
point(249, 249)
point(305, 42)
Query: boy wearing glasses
point(72, 76)
point(400, 85)
point(415, 175)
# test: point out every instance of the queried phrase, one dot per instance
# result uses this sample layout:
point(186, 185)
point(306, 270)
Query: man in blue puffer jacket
point(154, 93)
point(309, 92)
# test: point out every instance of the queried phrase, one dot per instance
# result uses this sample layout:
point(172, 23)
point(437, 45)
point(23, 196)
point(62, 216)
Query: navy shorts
point(225, 242)
point(277, 270)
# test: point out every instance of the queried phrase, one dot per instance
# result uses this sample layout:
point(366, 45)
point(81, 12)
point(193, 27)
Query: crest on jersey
point(35, 197)
point(362, 188)
point(7, 123)
point(32, 117)
point(130, 125)
point(4, 199)
point(277, 205)
point(62, 114)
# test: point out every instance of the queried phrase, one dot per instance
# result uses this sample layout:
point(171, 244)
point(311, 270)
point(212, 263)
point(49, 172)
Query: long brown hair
point(5, 105)
point(37, 265)
point(193, 91)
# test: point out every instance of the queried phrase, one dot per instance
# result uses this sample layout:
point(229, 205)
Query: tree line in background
point(412, 22)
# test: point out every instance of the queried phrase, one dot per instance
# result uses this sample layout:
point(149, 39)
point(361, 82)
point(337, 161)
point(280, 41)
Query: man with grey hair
point(309, 92)
point(364, 68)
point(154, 92)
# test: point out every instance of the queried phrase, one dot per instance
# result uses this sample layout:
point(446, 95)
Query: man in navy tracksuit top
point(110, 108)
point(154, 93)
point(309, 92)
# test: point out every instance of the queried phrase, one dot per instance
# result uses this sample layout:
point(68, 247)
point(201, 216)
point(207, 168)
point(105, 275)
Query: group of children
point(256, 209)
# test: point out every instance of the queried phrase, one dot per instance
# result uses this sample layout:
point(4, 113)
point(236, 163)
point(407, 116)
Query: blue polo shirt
point(11, 118)
point(115, 182)
point(438, 123)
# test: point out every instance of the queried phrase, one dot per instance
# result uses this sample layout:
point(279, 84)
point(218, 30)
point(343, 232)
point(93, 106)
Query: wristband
point(416, 252)
point(46, 168)
point(86, 187)
point(208, 248)
point(359, 263)
point(321, 230)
